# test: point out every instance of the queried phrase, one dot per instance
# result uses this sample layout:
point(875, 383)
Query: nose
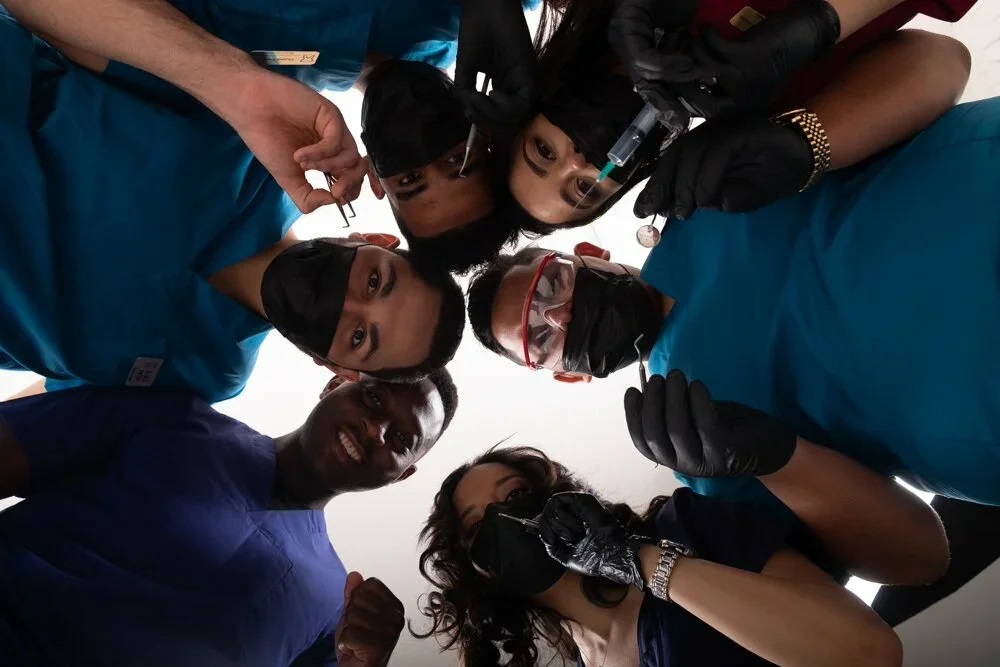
point(375, 428)
point(559, 316)
point(576, 160)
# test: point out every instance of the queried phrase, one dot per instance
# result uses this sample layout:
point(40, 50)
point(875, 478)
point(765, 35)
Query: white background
point(580, 425)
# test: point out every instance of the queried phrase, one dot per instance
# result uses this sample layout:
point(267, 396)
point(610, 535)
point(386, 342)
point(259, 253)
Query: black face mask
point(514, 558)
point(410, 117)
point(610, 311)
point(303, 292)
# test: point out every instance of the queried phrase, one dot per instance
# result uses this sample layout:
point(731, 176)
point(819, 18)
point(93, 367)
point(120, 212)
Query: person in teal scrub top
point(861, 311)
point(176, 281)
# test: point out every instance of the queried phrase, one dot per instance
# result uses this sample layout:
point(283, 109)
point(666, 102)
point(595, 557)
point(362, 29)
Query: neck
point(666, 304)
point(600, 633)
point(241, 281)
point(295, 485)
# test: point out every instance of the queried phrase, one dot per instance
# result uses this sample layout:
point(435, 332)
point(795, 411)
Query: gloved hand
point(751, 71)
point(732, 165)
point(579, 532)
point(649, 37)
point(685, 430)
point(493, 38)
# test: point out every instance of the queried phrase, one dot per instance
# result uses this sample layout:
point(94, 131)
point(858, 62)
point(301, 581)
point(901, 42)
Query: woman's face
point(550, 179)
point(482, 485)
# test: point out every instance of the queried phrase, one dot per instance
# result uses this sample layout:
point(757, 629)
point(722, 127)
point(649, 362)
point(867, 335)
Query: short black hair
point(483, 294)
point(445, 385)
point(447, 333)
point(461, 249)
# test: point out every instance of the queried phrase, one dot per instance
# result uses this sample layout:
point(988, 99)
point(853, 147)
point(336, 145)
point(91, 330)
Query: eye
point(357, 338)
point(586, 188)
point(373, 282)
point(410, 178)
point(544, 151)
point(373, 398)
point(514, 493)
point(457, 158)
point(401, 438)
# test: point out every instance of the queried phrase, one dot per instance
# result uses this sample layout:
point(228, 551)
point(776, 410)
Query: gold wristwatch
point(815, 135)
point(670, 551)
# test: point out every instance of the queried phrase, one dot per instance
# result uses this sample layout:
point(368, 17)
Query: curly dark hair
point(465, 609)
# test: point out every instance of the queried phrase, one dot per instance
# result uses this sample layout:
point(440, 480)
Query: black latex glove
point(493, 38)
point(579, 532)
point(650, 37)
point(751, 71)
point(685, 430)
point(733, 165)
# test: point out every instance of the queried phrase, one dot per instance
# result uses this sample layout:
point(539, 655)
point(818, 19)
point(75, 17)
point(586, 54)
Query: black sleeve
point(736, 534)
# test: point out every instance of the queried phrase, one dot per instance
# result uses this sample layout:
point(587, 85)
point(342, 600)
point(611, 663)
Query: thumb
point(354, 579)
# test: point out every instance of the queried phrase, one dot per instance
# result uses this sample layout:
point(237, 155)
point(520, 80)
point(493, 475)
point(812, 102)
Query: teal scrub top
point(116, 210)
point(865, 312)
point(343, 32)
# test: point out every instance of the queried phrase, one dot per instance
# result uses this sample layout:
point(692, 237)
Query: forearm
point(890, 93)
point(855, 14)
point(150, 35)
point(790, 622)
point(869, 523)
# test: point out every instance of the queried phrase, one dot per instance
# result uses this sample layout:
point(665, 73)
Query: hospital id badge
point(746, 18)
point(285, 58)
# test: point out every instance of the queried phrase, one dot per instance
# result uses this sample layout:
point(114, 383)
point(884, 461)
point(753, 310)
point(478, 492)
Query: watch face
point(676, 547)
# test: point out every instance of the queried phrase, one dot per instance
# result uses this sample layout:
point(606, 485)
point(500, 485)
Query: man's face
point(364, 435)
point(533, 308)
point(389, 316)
point(434, 198)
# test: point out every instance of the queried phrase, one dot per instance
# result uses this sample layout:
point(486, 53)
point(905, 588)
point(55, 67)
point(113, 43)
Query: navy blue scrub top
point(146, 539)
point(734, 534)
point(865, 312)
point(116, 211)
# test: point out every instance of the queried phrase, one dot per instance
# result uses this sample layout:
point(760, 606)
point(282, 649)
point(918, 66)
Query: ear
point(571, 378)
point(387, 241)
point(584, 249)
point(346, 373)
point(335, 382)
point(406, 474)
point(374, 183)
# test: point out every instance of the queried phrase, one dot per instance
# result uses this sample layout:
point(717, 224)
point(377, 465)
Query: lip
point(349, 450)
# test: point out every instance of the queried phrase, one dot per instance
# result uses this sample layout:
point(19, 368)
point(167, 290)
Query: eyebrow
point(470, 168)
point(500, 482)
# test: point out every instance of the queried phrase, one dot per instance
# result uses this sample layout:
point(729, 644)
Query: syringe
point(632, 138)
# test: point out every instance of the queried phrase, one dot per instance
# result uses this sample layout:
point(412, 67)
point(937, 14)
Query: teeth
point(349, 447)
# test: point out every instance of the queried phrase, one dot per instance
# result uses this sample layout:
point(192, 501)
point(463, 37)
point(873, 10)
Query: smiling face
point(434, 198)
point(551, 179)
point(482, 485)
point(364, 435)
point(389, 316)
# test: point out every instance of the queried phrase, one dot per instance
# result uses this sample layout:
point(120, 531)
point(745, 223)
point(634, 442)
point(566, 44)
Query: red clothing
point(811, 80)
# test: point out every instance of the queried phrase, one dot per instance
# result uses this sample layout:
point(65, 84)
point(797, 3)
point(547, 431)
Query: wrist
point(816, 144)
point(224, 83)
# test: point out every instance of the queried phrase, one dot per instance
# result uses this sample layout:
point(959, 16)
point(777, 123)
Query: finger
point(654, 423)
point(348, 185)
point(316, 199)
point(703, 412)
point(715, 167)
point(658, 195)
point(354, 579)
point(633, 419)
point(680, 424)
point(688, 173)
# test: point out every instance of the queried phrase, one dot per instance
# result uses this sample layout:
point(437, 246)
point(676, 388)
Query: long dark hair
point(464, 609)
point(572, 37)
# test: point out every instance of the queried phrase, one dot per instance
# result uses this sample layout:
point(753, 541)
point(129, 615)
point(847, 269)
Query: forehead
point(478, 485)
point(508, 306)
